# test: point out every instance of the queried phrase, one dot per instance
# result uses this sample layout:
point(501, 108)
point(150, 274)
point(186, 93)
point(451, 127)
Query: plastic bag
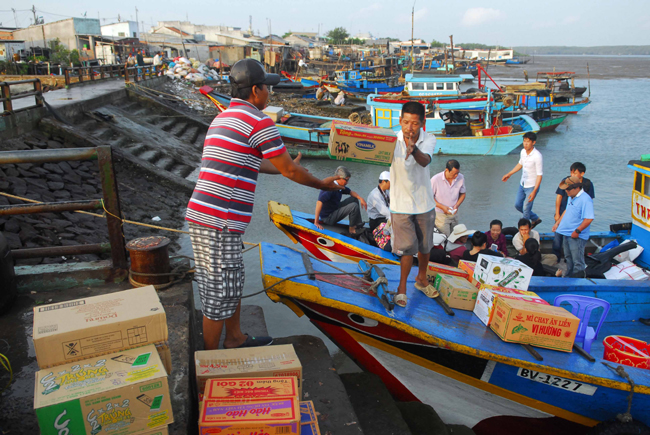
point(630, 255)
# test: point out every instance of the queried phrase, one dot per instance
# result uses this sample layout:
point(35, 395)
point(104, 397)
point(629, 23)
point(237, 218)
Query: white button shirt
point(377, 205)
point(531, 167)
point(410, 185)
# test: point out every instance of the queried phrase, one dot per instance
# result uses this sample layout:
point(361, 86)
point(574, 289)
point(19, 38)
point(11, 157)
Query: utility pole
point(137, 23)
point(15, 19)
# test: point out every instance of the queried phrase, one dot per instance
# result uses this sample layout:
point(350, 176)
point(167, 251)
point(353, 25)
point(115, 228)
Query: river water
point(604, 136)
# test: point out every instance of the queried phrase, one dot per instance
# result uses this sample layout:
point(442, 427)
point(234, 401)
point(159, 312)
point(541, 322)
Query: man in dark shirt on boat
point(577, 170)
point(330, 209)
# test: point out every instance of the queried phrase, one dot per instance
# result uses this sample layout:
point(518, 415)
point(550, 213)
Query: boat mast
point(412, 26)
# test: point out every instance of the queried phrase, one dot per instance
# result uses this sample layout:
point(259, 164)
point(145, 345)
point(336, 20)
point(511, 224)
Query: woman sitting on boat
point(479, 246)
point(532, 258)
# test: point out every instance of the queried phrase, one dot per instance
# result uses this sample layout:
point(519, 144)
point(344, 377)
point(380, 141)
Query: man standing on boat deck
point(412, 206)
point(448, 193)
point(236, 148)
point(577, 170)
point(574, 226)
point(531, 162)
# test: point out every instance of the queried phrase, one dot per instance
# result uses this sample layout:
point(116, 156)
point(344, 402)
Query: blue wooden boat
point(457, 365)
point(450, 126)
point(367, 82)
point(570, 107)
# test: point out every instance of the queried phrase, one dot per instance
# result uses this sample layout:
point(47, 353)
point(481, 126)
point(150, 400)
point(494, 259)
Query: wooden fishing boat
point(461, 131)
point(457, 365)
point(332, 244)
point(367, 82)
point(570, 107)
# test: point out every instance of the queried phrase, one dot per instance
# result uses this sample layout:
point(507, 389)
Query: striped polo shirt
point(237, 141)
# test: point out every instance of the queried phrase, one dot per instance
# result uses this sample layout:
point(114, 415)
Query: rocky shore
point(142, 198)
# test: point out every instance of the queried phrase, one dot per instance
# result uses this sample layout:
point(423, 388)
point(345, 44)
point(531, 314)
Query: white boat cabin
point(432, 84)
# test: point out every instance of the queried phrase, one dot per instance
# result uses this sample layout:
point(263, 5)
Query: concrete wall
point(65, 30)
point(126, 28)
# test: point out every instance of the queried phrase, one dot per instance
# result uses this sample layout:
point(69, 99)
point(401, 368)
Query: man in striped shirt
point(241, 142)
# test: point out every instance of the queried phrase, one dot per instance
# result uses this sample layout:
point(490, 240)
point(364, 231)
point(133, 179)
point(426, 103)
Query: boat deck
point(464, 332)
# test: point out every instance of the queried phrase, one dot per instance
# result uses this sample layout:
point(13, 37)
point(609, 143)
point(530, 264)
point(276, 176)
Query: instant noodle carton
point(361, 143)
point(457, 292)
point(434, 269)
point(519, 321)
point(252, 362)
point(502, 272)
point(83, 328)
point(233, 389)
point(250, 417)
point(468, 267)
point(484, 307)
point(120, 394)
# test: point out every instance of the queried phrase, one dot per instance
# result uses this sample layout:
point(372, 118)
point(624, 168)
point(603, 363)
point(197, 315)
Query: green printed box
point(120, 394)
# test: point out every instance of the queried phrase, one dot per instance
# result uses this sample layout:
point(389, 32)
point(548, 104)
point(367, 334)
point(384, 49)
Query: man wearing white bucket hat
point(379, 202)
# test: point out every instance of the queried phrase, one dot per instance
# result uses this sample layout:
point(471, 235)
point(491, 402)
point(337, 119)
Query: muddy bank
point(187, 98)
point(142, 198)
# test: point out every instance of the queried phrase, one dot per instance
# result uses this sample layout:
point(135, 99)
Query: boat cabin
point(432, 84)
point(345, 75)
point(641, 208)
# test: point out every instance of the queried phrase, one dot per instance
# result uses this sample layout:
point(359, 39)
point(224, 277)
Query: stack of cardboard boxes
point(496, 290)
point(104, 363)
point(252, 390)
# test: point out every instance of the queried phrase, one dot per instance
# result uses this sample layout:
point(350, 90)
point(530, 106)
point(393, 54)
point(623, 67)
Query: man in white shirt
point(412, 206)
point(531, 162)
point(449, 193)
point(379, 202)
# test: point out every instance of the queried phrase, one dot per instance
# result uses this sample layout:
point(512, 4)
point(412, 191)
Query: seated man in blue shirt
point(574, 226)
point(330, 209)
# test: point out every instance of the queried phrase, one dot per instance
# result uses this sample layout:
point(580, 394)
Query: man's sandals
point(401, 300)
point(428, 290)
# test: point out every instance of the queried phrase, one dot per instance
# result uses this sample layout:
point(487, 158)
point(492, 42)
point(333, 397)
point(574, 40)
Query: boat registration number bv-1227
point(558, 382)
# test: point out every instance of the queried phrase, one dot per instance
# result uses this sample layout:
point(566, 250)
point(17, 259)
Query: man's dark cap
point(247, 73)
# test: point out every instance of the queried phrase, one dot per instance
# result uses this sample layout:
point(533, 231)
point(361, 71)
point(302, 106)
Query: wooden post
point(488, 64)
point(6, 94)
point(39, 97)
point(66, 73)
point(588, 81)
point(453, 62)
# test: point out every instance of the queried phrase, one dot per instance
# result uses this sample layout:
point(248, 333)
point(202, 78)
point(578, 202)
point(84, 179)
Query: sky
point(506, 22)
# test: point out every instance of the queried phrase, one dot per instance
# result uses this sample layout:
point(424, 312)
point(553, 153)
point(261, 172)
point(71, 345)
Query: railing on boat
point(110, 202)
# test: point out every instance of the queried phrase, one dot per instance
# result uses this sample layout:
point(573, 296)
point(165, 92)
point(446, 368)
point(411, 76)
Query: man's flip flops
point(428, 290)
point(400, 300)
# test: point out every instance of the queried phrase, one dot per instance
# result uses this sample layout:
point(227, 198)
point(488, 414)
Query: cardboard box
point(467, 266)
point(121, 394)
point(457, 292)
point(161, 431)
point(75, 330)
point(484, 307)
point(435, 268)
point(548, 326)
point(502, 272)
point(252, 362)
point(308, 419)
point(362, 143)
point(236, 389)
point(250, 417)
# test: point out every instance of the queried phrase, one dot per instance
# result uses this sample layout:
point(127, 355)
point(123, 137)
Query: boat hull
point(569, 108)
point(457, 365)
point(547, 125)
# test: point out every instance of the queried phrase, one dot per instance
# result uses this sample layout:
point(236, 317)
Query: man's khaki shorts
point(412, 233)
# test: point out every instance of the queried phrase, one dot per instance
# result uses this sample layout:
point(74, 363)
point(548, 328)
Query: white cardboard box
point(502, 272)
point(485, 301)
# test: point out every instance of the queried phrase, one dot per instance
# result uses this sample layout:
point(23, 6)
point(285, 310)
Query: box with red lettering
point(250, 417)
